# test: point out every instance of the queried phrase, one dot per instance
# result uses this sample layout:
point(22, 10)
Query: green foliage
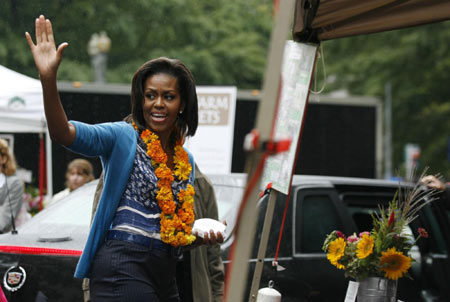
point(416, 62)
point(226, 42)
point(74, 71)
point(223, 42)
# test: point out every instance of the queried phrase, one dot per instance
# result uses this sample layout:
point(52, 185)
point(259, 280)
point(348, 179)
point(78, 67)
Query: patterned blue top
point(138, 211)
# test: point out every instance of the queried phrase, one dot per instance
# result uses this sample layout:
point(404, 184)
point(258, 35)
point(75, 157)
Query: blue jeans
point(125, 271)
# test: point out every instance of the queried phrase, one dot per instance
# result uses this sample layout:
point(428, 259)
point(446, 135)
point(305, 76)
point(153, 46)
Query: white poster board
point(212, 144)
point(298, 62)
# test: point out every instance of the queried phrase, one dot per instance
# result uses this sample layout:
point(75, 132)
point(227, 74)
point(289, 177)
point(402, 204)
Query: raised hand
point(46, 56)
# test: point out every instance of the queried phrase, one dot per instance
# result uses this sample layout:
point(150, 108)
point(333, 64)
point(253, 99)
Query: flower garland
point(176, 220)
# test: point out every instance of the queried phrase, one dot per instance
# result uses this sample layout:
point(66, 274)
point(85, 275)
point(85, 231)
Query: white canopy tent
point(22, 110)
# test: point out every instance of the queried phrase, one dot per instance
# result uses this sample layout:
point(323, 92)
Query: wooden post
point(237, 270)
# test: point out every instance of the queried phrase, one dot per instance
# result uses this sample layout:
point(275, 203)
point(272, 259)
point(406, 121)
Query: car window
point(229, 190)
point(362, 216)
point(316, 216)
point(361, 205)
point(437, 241)
point(277, 224)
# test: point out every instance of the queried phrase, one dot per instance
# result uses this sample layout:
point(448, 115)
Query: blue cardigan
point(116, 144)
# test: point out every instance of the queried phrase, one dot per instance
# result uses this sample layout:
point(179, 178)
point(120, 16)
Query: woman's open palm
point(46, 56)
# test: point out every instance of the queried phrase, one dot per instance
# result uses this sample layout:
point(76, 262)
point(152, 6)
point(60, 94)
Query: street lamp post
point(98, 47)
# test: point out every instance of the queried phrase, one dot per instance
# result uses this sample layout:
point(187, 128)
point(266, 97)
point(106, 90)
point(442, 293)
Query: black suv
point(319, 205)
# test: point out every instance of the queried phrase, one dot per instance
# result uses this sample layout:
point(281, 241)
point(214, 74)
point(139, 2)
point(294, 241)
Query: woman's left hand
point(210, 238)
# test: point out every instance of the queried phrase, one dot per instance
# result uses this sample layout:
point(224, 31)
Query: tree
point(416, 62)
point(223, 42)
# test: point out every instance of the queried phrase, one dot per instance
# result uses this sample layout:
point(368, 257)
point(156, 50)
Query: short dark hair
point(187, 122)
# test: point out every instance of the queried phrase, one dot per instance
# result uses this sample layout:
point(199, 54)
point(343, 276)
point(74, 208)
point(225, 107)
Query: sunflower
point(338, 265)
point(364, 247)
point(394, 263)
point(336, 250)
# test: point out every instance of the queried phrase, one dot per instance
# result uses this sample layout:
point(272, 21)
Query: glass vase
point(377, 289)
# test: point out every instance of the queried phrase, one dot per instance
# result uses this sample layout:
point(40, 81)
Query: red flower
point(423, 232)
point(340, 234)
point(392, 218)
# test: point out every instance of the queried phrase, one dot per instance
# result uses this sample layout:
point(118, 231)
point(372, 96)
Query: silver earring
point(181, 111)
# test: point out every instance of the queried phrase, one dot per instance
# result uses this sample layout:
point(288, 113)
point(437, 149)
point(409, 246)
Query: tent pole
point(237, 270)
point(48, 148)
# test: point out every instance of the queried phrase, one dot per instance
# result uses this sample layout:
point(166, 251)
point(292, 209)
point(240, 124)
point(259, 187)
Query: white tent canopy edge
point(22, 111)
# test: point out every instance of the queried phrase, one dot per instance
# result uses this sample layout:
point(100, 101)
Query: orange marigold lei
point(176, 220)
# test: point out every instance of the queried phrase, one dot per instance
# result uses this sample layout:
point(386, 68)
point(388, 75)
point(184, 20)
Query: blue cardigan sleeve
point(95, 140)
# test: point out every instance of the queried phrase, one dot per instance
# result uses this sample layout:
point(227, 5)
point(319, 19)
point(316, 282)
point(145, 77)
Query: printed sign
point(212, 145)
point(352, 291)
point(214, 109)
point(298, 62)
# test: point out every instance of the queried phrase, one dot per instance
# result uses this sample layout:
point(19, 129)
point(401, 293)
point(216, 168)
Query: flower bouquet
point(31, 198)
point(382, 251)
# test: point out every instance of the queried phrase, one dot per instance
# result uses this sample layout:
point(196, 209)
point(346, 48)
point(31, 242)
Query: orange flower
point(164, 193)
point(164, 174)
point(181, 195)
point(190, 190)
point(181, 154)
point(186, 216)
point(155, 151)
point(188, 200)
point(183, 170)
point(167, 207)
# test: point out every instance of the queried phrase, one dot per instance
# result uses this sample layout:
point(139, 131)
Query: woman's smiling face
point(161, 104)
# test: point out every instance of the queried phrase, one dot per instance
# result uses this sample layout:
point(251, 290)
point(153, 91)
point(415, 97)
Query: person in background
point(11, 189)
point(200, 272)
point(79, 171)
point(433, 182)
